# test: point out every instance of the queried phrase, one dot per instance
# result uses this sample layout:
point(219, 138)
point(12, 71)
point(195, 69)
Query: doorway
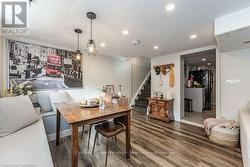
point(199, 86)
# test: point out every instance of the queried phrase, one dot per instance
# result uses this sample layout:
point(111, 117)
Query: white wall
point(232, 22)
point(100, 71)
point(1, 65)
point(234, 65)
point(178, 89)
point(155, 86)
point(140, 68)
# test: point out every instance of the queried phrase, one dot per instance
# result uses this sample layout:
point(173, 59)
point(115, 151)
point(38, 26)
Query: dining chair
point(108, 129)
point(90, 128)
point(111, 128)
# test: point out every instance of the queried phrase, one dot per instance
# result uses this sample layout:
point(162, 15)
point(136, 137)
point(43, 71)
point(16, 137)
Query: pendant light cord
point(91, 29)
point(77, 41)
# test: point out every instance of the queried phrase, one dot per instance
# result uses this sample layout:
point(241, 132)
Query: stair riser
point(146, 91)
point(142, 109)
point(143, 98)
point(145, 94)
point(142, 106)
point(147, 87)
point(141, 103)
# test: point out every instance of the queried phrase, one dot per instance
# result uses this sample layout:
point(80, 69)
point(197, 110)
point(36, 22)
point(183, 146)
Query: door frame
point(218, 78)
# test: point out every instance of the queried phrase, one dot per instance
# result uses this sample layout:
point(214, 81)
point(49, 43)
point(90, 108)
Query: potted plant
point(25, 89)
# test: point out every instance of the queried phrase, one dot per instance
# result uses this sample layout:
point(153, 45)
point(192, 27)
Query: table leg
point(128, 146)
point(74, 145)
point(58, 122)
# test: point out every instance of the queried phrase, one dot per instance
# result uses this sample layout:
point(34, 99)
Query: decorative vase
point(101, 103)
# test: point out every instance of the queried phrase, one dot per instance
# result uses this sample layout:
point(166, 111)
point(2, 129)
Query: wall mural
point(43, 67)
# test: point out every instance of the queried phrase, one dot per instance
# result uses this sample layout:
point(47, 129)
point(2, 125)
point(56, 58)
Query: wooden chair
point(90, 128)
point(108, 129)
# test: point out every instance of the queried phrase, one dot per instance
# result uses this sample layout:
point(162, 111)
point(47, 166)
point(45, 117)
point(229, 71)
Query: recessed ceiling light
point(102, 44)
point(193, 36)
point(156, 47)
point(203, 59)
point(125, 32)
point(170, 7)
point(209, 64)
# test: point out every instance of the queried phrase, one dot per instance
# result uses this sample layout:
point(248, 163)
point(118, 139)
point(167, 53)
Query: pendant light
point(91, 47)
point(78, 54)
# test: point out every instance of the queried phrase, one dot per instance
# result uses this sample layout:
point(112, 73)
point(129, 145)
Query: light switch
point(233, 82)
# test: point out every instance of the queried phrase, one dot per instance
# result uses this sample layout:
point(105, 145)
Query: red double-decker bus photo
point(54, 66)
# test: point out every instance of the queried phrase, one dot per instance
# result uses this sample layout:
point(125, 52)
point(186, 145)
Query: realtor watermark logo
point(14, 18)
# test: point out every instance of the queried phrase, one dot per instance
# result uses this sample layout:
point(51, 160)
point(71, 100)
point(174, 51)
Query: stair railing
point(140, 88)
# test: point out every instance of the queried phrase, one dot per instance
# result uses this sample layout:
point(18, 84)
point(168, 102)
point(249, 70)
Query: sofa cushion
point(27, 147)
point(15, 114)
point(58, 97)
point(245, 134)
point(43, 99)
point(79, 94)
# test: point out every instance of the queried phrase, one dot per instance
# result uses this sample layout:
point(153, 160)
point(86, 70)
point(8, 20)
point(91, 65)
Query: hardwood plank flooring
point(199, 117)
point(154, 144)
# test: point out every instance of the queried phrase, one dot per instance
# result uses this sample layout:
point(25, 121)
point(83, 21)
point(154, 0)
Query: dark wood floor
point(154, 143)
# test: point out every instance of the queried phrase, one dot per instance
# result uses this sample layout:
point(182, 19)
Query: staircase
point(142, 100)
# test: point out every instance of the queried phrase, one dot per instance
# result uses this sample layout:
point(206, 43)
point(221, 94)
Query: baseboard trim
point(65, 133)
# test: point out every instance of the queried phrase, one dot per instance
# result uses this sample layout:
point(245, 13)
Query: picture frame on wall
point(110, 89)
point(42, 67)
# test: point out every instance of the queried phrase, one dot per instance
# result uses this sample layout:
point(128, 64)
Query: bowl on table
point(94, 102)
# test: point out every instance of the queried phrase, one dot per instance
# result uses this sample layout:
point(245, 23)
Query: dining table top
point(74, 112)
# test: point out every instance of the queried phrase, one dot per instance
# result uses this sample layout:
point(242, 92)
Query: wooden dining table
point(76, 115)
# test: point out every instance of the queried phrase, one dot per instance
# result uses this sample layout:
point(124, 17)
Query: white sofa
point(23, 141)
point(28, 146)
point(245, 134)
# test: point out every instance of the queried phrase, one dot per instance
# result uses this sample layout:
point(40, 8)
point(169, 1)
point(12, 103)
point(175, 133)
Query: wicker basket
point(223, 136)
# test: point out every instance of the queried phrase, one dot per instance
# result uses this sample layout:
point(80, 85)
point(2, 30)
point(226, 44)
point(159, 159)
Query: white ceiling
point(53, 21)
point(195, 59)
